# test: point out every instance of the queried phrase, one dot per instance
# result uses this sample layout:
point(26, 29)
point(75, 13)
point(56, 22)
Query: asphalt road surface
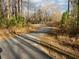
point(19, 48)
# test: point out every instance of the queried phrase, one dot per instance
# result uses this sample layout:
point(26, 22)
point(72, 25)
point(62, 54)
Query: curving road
point(20, 48)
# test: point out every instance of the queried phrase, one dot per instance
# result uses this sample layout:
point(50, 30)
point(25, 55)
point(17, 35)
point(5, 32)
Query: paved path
point(19, 48)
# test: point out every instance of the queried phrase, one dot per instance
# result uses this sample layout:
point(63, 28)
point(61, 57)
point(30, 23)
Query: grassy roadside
point(4, 33)
point(58, 43)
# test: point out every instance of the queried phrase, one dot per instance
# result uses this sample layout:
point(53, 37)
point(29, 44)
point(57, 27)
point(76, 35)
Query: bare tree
point(8, 8)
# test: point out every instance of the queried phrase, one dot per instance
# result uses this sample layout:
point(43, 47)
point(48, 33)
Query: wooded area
point(52, 25)
point(11, 16)
point(70, 18)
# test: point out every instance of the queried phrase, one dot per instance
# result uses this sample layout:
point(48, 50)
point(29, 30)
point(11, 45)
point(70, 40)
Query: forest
point(26, 25)
point(11, 16)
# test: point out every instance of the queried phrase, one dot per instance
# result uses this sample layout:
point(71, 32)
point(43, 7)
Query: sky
point(61, 5)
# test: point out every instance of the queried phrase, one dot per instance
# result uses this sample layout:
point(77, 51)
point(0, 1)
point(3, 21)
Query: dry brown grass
point(58, 42)
point(4, 33)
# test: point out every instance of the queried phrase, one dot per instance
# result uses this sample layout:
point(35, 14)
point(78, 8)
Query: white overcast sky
point(62, 4)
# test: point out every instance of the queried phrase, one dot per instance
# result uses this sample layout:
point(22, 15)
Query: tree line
point(70, 19)
point(11, 16)
point(10, 13)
